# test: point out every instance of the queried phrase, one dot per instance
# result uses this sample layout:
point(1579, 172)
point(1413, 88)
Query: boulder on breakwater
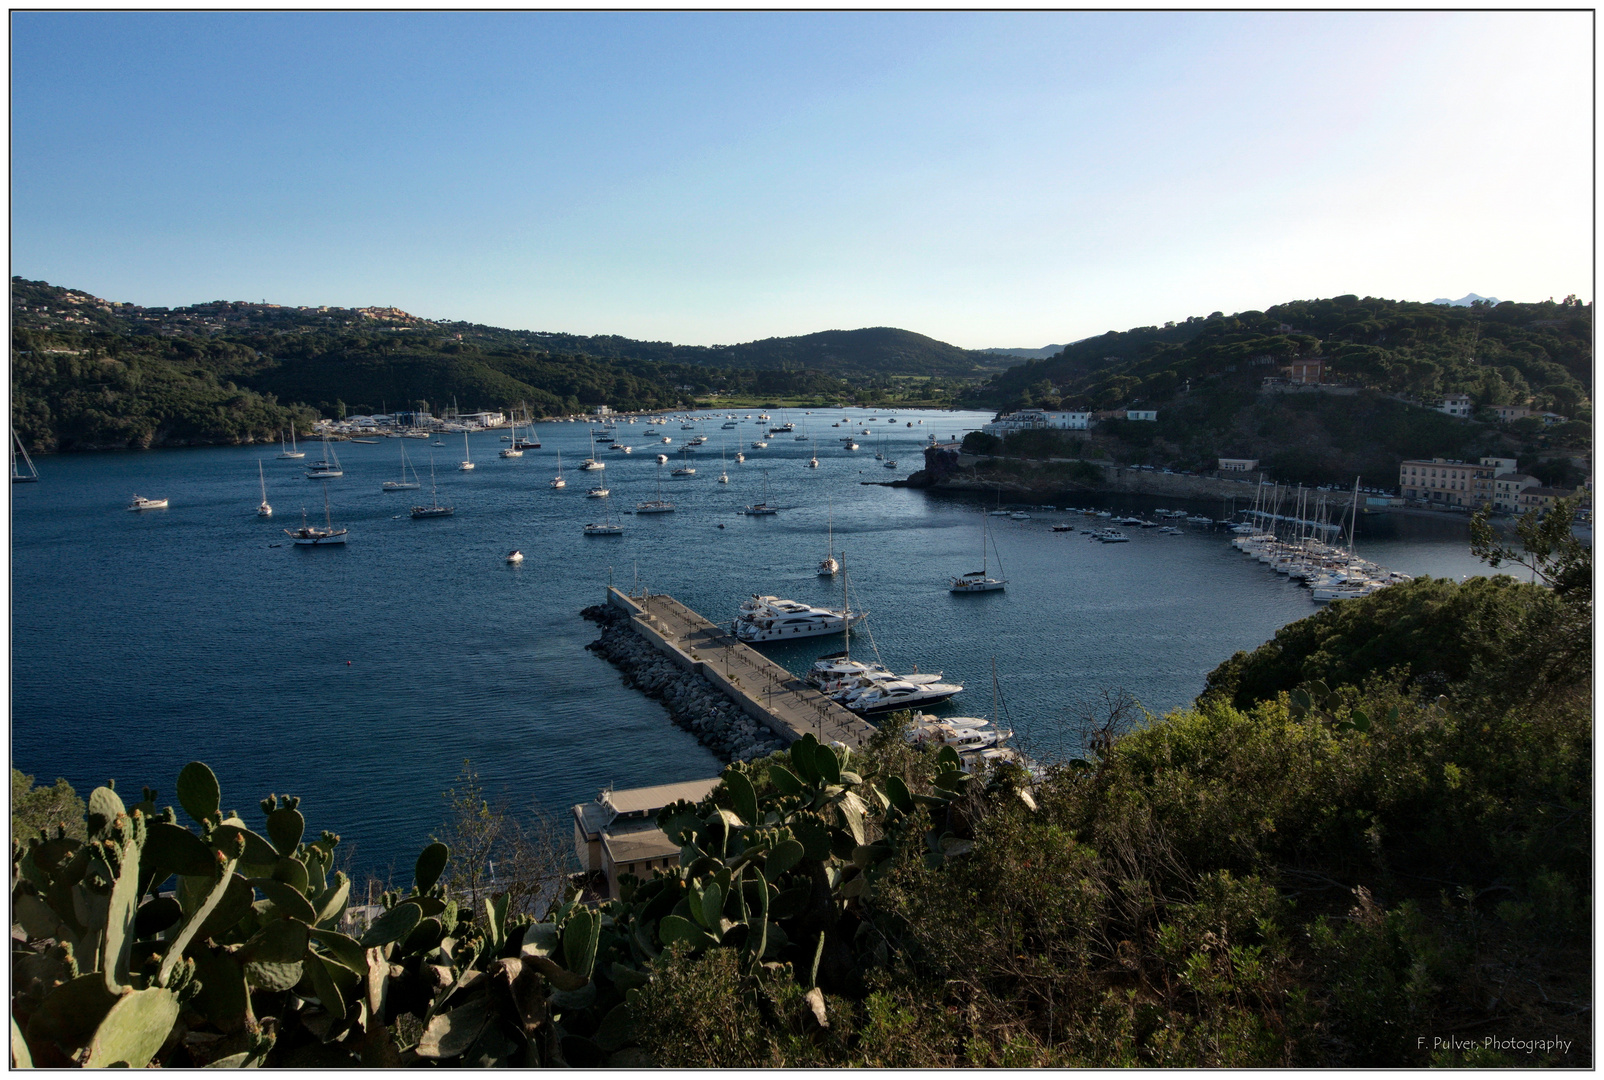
point(693, 704)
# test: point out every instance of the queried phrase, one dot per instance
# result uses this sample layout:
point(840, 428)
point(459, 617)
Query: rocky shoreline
point(692, 702)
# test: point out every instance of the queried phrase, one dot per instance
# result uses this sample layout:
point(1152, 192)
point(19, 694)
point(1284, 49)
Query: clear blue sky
point(989, 179)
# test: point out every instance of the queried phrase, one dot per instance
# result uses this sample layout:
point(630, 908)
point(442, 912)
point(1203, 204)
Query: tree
point(43, 808)
point(1548, 549)
point(495, 852)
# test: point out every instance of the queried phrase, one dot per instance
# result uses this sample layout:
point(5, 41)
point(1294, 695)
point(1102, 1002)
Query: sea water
point(365, 678)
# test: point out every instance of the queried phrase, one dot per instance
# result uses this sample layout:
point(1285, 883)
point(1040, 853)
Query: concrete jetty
point(763, 690)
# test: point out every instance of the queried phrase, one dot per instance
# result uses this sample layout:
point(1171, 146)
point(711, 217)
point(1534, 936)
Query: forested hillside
point(87, 373)
point(1504, 354)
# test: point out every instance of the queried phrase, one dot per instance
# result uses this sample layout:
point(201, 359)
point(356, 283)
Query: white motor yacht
point(141, 503)
point(959, 738)
point(769, 618)
point(899, 694)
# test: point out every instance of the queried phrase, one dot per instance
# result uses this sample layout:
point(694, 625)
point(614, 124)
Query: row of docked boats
point(1330, 571)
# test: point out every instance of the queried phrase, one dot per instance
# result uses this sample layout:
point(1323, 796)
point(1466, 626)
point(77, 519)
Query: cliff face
point(942, 461)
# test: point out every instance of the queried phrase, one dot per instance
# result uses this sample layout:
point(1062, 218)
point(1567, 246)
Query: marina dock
point(764, 690)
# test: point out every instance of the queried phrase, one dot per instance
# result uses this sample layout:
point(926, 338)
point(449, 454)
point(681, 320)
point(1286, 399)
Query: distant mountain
point(1466, 300)
point(1028, 354)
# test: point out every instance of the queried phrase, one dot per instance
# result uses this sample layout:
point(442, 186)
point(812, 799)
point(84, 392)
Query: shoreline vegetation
point(1368, 843)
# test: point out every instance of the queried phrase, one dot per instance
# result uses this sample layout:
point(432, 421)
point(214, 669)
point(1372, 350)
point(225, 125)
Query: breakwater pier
point(738, 702)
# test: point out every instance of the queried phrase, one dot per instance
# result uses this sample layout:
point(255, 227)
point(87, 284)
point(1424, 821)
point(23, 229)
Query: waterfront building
point(1444, 482)
point(1540, 498)
point(618, 834)
point(1038, 420)
point(1507, 488)
point(1238, 464)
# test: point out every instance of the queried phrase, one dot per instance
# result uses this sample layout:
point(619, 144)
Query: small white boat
point(311, 535)
point(434, 509)
point(852, 446)
point(515, 556)
point(759, 444)
point(141, 503)
point(467, 458)
point(763, 508)
point(662, 459)
point(289, 451)
point(978, 581)
point(739, 457)
point(604, 529)
point(403, 484)
point(598, 493)
point(558, 481)
point(264, 510)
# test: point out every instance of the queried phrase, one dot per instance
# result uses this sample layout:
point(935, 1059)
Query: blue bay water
point(361, 678)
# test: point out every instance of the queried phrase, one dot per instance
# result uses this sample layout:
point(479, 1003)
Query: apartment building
point(1444, 482)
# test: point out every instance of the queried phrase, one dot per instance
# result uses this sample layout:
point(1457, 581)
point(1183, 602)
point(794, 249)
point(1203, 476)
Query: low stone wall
point(718, 722)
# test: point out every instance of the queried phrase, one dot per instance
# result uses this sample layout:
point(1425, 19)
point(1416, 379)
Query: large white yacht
point(769, 618)
point(898, 694)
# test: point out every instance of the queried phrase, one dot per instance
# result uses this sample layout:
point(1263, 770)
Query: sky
point(991, 179)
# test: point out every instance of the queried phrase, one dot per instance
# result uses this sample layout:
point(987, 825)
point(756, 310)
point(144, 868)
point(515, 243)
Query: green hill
point(92, 373)
point(1505, 354)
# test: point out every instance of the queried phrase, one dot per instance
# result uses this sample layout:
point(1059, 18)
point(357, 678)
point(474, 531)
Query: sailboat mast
point(1353, 517)
point(846, 614)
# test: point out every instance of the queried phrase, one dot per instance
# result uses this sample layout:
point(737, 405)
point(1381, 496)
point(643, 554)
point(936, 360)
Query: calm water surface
point(361, 678)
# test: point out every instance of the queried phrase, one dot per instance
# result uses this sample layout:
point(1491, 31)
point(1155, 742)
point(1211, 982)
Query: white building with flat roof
point(618, 834)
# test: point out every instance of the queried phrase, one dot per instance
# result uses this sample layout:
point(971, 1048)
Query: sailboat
point(813, 459)
point(17, 476)
point(514, 450)
point(978, 580)
point(404, 484)
point(591, 462)
point(657, 505)
point(290, 451)
point(264, 510)
point(829, 566)
point(434, 509)
point(606, 527)
point(724, 475)
point(328, 468)
point(762, 508)
point(685, 468)
point(558, 481)
point(467, 458)
point(311, 535)
point(530, 441)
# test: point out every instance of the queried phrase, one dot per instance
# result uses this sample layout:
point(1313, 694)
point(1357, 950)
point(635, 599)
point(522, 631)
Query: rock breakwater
point(712, 716)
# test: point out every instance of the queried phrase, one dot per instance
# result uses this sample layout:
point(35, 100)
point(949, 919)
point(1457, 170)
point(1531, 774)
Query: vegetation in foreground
point(1336, 871)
